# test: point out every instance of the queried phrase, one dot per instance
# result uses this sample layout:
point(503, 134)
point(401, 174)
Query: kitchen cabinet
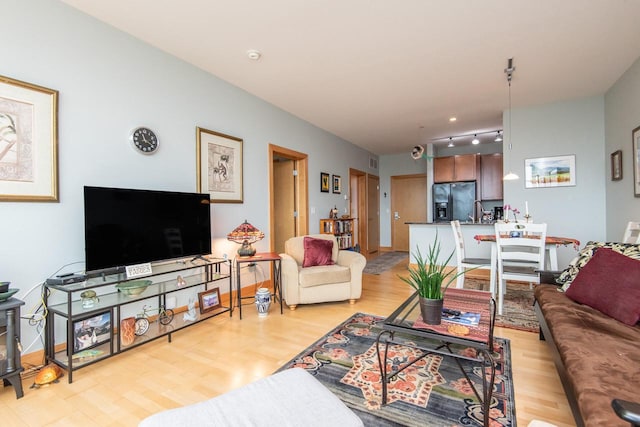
point(462, 167)
point(491, 176)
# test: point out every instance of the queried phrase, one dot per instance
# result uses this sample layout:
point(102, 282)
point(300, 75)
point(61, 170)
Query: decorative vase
point(431, 310)
point(127, 331)
point(263, 301)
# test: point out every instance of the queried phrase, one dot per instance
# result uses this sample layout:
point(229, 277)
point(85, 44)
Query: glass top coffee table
point(448, 339)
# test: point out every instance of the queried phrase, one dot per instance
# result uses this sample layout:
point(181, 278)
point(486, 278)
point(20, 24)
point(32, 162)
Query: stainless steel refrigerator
point(454, 200)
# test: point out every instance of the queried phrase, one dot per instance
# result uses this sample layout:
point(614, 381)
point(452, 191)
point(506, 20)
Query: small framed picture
point(337, 184)
point(635, 152)
point(209, 300)
point(324, 182)
point(91, 331)
point(616, 165)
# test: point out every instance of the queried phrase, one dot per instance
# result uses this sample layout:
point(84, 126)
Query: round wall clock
point(145, 140)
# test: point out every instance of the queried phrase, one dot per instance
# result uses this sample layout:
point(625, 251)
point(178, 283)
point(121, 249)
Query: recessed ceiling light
point(452, 119)
point(254, 54)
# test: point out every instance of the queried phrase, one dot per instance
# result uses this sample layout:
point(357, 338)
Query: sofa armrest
point(289, 271)
point(628, 411)
point(549, 277)
point(356, 263)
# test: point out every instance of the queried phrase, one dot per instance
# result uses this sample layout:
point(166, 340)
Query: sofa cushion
point(585, 254)
point(323, 275)
point(317, 252)
point(610, 283)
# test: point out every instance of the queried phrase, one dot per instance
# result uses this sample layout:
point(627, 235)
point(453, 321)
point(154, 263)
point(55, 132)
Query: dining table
point(551, 244)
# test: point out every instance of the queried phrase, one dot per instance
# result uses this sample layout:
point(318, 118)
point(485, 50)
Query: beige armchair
point(322, 283)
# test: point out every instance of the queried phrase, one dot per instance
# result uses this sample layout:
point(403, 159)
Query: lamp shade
point(245, 234)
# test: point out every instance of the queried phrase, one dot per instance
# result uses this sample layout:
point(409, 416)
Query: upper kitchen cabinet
point(456, 168)
point(491, 176)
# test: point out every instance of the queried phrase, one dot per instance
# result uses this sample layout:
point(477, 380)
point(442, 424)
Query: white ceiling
point(387, 75)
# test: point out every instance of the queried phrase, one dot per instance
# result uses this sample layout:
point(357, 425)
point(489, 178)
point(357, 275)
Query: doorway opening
point(288, 196)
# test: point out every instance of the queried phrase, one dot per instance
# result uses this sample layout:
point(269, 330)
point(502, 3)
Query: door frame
point(301, 189)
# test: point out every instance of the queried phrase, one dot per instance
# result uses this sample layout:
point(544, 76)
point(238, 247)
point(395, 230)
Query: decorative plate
point(6, 295)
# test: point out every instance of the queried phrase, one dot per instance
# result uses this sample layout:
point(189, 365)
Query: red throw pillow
point(317, 252)
point(610, 283)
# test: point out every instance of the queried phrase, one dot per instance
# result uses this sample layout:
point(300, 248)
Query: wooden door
point(373, 214)
point(408, 204)
point(283, 184)
point(299, 197)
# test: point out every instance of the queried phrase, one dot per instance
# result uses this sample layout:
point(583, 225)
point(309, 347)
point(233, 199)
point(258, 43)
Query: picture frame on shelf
point(219, 166)
point(209, 300)
point(28, 142)
point(616, 165)
point(91, 331)
point(557, 171)
point(636, 160)
point(324, 182)
point(337, 184)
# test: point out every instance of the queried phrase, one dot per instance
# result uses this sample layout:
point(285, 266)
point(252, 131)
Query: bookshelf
point(342, 228)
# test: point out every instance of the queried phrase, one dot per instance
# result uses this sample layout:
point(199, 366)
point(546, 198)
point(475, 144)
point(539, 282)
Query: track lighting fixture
point(498, 137)
point(475, 140)
point(450, 143)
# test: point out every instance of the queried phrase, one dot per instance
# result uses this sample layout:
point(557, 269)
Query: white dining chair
point(465, 263)
point(632, 232)
point(520, 252)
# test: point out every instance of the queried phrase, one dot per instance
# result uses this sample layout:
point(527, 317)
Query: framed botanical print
point(324, 182)
point(28, 142)
point(219, 166)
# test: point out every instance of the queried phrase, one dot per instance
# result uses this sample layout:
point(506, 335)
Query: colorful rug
point(517, 309)
point(385, 261)
point(431, 393)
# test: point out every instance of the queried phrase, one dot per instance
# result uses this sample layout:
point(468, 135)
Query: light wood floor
point(224, 353)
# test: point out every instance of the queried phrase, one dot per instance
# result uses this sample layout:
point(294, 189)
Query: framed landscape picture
point(91, 331)
point(219, 166)
point(28, 142)
point(558, 171)
point(209, 300)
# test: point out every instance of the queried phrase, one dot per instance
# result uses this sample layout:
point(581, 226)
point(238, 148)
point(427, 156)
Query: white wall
point(622, 106)
point(573, 127)
point(110, 83)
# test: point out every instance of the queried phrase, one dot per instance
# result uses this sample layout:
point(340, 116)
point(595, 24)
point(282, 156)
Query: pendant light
point(511, 176)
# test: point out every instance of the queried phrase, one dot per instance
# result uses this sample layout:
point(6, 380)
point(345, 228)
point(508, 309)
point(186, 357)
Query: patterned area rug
point(517, 307)
point(433, 392)
point(385, 262)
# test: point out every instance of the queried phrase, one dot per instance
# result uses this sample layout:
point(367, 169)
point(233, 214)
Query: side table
point(275, 261)
point(10, 365)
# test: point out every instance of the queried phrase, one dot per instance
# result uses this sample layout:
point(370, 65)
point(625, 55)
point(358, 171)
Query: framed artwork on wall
point(28, 142)
point(616, 165)
point(209, 300)
point(636, 161)
point(337, 184)
point(558, 171)
point(219, 166)
point(324, 182)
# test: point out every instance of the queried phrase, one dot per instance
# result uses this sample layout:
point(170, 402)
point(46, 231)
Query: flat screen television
point(126, 227)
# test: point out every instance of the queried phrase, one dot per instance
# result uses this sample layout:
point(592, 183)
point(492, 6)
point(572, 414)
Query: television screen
point(125, 227)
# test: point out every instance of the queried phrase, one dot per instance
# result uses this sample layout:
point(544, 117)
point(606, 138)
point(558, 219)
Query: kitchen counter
point(422, 234)
point(449, 224)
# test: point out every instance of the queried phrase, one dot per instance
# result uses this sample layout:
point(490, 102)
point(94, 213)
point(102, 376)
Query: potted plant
point(430, 279)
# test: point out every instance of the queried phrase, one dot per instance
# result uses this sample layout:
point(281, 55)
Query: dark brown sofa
point(597, 357)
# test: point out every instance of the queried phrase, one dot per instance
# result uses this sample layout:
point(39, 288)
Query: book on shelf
point(467, 318)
